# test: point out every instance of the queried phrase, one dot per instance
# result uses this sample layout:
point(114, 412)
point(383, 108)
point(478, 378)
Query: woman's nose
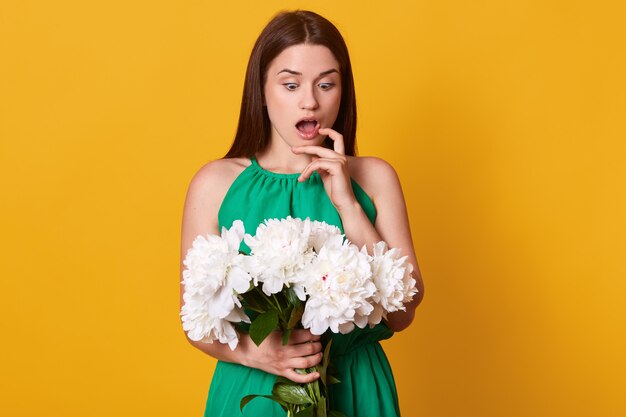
point(308, 100)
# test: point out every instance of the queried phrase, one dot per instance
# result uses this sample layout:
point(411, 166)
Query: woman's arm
point(380, 181)
point(204, 196)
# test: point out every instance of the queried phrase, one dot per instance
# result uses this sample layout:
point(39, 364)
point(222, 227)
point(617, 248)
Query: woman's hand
point(304, 350)
point(332, 166)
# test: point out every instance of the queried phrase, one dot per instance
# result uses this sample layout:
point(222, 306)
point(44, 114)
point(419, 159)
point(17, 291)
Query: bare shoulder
point(216, 175)
point(207, 190)
point(374, 175)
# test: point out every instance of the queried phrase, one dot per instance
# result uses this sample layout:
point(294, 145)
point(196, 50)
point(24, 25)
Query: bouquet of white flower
point(299, 274)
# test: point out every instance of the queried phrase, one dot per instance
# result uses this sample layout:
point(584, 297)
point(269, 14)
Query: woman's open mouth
point(308, 128)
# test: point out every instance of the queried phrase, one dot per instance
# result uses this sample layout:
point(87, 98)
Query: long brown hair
point(284, 30)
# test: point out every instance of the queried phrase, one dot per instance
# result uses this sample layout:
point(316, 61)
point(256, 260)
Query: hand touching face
point(332, 167)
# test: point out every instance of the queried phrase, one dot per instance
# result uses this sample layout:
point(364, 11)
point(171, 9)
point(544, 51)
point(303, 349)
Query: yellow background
point(504, 119)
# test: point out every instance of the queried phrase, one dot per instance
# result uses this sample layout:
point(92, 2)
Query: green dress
point(367, 387)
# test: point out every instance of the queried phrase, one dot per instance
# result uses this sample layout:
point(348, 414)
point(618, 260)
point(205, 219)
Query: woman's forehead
point(304, 59)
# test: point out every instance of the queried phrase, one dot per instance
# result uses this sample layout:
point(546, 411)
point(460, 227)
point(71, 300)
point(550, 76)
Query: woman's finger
point(303, 349)
point(330, 165)
point(301, 379)
point(302, 336)
point(337, 138)
point(304, 362)
point(316, 150)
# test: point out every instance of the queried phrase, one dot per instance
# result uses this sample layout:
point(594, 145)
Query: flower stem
point(309, 387)
point(277, 303)
point(269, 300)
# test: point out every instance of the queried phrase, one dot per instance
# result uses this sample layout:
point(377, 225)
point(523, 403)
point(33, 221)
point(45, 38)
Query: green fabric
point(367, 387)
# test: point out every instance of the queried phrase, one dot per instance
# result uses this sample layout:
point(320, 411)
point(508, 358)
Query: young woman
point(294, 155)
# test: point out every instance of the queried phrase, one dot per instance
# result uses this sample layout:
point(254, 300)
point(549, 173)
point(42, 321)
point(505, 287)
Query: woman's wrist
point(357, 226)
point(350, 210)
point(242, 352)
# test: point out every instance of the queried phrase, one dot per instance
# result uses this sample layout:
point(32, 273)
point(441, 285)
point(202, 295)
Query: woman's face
point(302, 93)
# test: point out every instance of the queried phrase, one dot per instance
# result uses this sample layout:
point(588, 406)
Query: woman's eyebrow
point(330, 71)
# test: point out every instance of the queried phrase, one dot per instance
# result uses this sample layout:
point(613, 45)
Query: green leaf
point(291, 296)
point(325, 373)
point(326, 359)
point(316, 386)
point(285, 381)
point(293, 394)
point(245, 400)
point(263, 325)
point(296, 316)
point(254, 300)
point(321, 407)
point(284, 317)
point(335, 413)
point(331, 380)
point(306, 412)
point(323, 367)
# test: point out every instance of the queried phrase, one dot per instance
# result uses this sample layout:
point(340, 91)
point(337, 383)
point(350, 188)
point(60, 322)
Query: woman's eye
point(326, 86)
point(290, 86)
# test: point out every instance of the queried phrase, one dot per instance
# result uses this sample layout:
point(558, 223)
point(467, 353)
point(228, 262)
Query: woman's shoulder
point(373, 174)
point(206, 191)
point(369, 163)
point(215, 177)
point(220, 170)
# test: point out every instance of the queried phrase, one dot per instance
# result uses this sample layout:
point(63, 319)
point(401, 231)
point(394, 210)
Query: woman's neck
point(278, 157)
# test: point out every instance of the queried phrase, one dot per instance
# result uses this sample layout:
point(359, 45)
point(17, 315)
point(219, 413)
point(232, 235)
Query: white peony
point(200, 326)
point(395, 285)
point(320, 233)
point(215, 272)
point(339, 284)
point(278, 253)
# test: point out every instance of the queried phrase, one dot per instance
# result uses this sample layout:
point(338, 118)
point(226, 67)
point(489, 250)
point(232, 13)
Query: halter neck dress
point(367, 387)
